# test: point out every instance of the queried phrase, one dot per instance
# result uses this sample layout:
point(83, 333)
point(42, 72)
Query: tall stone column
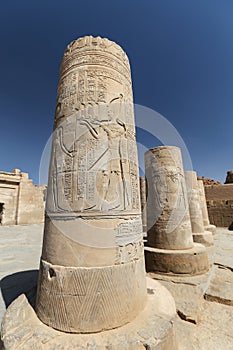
point(199, 234)
point(143, 202)
point(170, 242)
point(205, 215)
point(92, 249)
point(92, 281)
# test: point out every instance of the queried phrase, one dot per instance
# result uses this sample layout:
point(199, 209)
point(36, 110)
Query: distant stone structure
point(206, 181)
point(170, 243)
point(21, 202)
point(220, 203)
point(199, 233)
point(206, 222)
point(92, 278)
point(229, 178)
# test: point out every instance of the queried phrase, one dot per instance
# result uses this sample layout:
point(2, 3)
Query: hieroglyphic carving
point(129, 241)
point(96, 51)
point(129, 253)
point(135, 187)
point(128, 231)
point(100, 44)
point(95, 94)
point(93, 60)
point(89, 87)
point(100, 166)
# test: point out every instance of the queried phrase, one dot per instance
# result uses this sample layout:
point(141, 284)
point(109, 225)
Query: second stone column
point(170, 243)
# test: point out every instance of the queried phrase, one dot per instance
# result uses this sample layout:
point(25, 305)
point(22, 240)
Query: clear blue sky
point(181, 55)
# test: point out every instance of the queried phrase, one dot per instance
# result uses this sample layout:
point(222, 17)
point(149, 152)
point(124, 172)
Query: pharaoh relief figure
point(110, 166)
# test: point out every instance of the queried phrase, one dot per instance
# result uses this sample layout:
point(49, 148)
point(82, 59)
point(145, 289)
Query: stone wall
point(220, 204)
point(21, 202)
point(229, 178)
point(208, 181)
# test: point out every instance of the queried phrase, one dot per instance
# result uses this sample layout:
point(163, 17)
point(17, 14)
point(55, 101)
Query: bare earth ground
point(204, 303)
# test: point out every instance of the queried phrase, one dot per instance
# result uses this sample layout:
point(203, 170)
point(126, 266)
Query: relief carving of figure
point(111, 184)
point(113, 191)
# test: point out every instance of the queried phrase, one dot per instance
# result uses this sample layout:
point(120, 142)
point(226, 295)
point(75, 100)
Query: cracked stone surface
point(188, 299)
point(221, 285)
point(224, 245)
point(214, 331)
point(206, 324)
point(19, 261)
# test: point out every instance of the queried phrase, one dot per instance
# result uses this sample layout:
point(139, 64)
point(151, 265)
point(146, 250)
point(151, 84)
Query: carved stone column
point(92, 281)
point(205, 215)
point(199, 234)
point(143, 202)
point(171, 248)
point(92, 265)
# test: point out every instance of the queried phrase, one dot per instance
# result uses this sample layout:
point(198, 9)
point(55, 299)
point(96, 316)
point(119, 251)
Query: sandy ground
point(204, 303)
point(20, 248)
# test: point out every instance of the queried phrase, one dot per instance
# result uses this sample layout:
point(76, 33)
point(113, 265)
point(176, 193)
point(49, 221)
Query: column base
point(153, 328)
point(205, 238)
point(193, 261)
point(211, 228)
point(90, 299)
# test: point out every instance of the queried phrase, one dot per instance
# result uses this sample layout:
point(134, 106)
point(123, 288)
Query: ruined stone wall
point(21, 202)
point(31, 203)
point(8, 202)
point(220, 204)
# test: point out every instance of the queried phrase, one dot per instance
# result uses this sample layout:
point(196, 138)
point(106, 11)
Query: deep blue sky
point(181, 55)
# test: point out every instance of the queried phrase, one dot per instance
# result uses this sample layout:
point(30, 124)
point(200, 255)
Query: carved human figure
point(117, 192)
point(168, 221)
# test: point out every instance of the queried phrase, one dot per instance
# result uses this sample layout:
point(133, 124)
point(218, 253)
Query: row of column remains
point(177, 225)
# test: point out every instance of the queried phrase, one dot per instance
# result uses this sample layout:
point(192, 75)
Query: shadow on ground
point(23, 282)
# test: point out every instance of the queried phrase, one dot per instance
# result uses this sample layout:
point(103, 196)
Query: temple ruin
point(93, 292)
point(219, 199)
point(21, 202)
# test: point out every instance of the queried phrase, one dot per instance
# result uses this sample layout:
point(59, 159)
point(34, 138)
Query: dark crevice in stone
point(183, 317)
point(218, 300)
point(150, 291)
point(221, 266)
point(52, 273)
